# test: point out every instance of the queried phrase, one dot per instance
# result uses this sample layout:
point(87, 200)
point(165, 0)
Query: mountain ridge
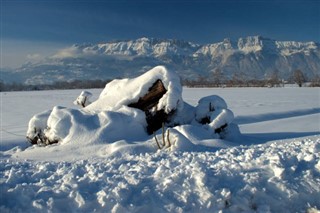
point(255, 57)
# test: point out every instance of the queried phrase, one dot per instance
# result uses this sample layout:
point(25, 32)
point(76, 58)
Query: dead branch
point(211, 109)
point(163, 140)
point(163, 145)
point(155, 137)
point(168, 138)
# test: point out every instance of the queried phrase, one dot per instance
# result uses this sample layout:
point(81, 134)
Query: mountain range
point(253, 57)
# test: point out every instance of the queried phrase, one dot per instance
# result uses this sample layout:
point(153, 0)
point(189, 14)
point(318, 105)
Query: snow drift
point(272, 167)
point(116, 116)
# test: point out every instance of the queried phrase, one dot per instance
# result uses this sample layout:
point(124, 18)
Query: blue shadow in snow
point(260, 138)
point(274, 116)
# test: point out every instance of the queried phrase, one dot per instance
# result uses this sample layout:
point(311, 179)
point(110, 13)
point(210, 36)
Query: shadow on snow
point(260, 138)
point(274, 116)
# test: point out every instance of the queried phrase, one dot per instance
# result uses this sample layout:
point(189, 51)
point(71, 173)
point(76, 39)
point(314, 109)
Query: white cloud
point(34, 57)
point(70, 52)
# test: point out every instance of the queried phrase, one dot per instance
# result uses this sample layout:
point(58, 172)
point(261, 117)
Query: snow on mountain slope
point(216, 49)
point(158, 47)
point(258, 43)
point(290, 47)
point(254, 57)
point(141, 47)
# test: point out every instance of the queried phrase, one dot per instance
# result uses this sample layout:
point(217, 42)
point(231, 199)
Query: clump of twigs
point(166, 143)
point(40, 138)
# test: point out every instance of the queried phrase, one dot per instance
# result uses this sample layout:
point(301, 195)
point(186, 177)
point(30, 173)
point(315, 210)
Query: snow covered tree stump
point(83, 99)
point(156, 118)
point(213, 111)
point(130, 109)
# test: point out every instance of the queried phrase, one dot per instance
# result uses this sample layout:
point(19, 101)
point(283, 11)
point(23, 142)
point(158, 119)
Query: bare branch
point(168, 138)
point(155, 137)
point(163, 140)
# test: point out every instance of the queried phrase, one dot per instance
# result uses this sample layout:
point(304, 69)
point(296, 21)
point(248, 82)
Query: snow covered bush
point(83, 99)
point(212, 110)
point(132, 110)
point(37, 125)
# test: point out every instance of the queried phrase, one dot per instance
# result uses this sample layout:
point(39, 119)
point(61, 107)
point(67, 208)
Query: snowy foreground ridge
point(110, 120)
point(272, 166)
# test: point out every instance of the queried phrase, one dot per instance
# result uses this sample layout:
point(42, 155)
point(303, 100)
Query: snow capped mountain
point(254, 57)
point(258, 43)
point(141, 47)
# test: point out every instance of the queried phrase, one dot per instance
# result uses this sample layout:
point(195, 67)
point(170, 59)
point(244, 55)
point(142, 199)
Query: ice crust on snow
point(109, 119)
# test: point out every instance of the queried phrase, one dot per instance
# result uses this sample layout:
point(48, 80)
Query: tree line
point(217, 79)
point(76, 84)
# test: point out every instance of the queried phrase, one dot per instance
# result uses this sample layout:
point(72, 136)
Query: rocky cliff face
point(254, 57)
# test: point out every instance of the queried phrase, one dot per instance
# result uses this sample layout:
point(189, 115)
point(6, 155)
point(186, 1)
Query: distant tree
point(298, 77)
point(202, 81)
point(257, 83)
point(2, 86)
point(315, 81)
point(218, 77)
point(233, 81)
point(238, 80)
point(274, 79)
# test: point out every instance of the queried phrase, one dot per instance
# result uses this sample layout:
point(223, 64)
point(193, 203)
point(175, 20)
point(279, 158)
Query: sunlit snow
point(273, 166)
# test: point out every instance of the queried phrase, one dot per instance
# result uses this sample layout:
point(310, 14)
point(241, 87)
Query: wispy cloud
point(70, 52)
point(34, 57)
point(16, 52)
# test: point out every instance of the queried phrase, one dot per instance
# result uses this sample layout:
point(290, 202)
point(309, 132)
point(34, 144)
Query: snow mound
point(83, 99)
point(125, 91)
point(115, 117)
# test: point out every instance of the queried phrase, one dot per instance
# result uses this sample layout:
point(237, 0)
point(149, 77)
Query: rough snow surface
point(274, 166)
point(281, 176)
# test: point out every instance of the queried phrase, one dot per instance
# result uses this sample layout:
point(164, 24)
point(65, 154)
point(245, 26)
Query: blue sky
point(32, 29)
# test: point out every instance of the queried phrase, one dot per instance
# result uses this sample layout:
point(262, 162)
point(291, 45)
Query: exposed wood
point(164, 144)
point(33, 140)
point(155, 120)
point(40, 139)
point(221, 128)
point(206, 120)
point(150, 100)
point(157, 142)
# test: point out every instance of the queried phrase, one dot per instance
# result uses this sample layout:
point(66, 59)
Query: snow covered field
point(274, 166)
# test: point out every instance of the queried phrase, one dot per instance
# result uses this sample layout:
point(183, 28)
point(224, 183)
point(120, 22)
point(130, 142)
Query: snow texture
point(275, 177)
point(273, 166)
